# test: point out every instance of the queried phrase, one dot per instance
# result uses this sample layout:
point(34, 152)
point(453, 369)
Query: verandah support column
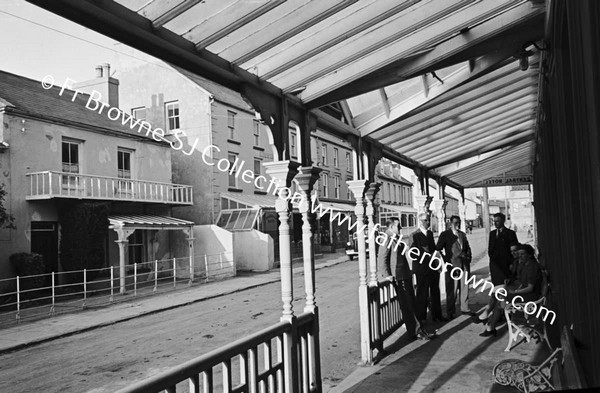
point(440, 205)
point(283, 172)
point(122, 255)
point(462, 213)
point(370, 196)
point(358, 188)
point(306, 180)
point(190, 239)
point(122, 241)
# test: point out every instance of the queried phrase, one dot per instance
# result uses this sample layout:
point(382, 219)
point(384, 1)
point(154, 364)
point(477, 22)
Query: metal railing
point(62, 292)
point(385, 316)
point(51, 184)
point(246, 365)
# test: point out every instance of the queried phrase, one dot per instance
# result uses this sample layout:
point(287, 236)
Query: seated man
point(530, 288)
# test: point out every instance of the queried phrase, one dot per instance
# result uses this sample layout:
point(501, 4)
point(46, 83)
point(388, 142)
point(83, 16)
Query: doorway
point(44, 241)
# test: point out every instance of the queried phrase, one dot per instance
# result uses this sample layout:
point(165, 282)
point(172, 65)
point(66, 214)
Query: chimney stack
point(103, 83)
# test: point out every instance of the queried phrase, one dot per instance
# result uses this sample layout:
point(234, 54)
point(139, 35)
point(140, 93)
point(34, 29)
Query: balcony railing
point(280, 358)
point(50, 184)
point(385, 316)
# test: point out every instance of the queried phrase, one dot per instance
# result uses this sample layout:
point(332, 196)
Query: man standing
point(389, 254)
point(457, 252)
point(428, 279)
point(499, 250)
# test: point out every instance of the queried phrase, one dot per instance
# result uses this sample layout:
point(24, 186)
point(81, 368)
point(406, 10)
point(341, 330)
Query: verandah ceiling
point(436, 80)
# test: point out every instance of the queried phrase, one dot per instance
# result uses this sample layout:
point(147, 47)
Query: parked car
point(352, 245)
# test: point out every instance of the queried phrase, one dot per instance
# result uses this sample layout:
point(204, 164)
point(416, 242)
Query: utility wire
point(82, 39)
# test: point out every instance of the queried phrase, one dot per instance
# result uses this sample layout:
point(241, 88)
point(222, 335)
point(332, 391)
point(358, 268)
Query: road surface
point(112, 357)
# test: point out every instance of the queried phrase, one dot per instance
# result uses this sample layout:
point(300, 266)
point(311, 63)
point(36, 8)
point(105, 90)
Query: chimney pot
point(98, 71)
point(106, 70)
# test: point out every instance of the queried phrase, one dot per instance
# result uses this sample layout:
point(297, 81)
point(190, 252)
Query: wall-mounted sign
point(507, 181)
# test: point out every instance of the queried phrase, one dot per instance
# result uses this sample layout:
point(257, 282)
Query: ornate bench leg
point(512, 335)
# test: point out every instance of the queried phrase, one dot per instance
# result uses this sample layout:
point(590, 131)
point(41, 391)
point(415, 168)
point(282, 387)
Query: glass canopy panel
point(238, 220)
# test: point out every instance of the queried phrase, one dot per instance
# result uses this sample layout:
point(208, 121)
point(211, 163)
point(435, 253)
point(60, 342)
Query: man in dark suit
point(457, 252)
point(499, 250)
point(428, 279)
point(390, 256)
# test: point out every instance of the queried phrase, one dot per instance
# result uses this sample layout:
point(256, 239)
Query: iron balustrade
point(52, 184)
point(385, 316)
point(44, 295)
point(202, 372)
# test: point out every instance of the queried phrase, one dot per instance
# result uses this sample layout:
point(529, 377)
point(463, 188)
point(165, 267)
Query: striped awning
point(147, 222)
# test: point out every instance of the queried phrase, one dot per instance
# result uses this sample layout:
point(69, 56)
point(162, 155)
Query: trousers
point(406, 295)
point(428, 290)
point(457, 289)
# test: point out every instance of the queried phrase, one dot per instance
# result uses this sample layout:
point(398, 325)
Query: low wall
point(211, 241)
point(253, 250)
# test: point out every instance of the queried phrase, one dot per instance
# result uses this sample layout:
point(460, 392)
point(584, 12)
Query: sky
point(37, 43)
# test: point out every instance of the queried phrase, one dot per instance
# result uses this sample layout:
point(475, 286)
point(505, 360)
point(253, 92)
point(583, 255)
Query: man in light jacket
point(457, 251)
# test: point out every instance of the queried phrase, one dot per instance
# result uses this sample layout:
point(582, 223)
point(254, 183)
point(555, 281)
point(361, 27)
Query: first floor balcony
point(51, 184)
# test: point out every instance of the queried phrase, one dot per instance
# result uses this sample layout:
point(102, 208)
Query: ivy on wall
point(84, 226)
point(6, 219)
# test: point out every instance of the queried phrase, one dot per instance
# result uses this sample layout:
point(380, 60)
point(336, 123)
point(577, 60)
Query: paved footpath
point(28, 334)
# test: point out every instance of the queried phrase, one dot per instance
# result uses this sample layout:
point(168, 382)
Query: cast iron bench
point(527, 328)
point(550, 375)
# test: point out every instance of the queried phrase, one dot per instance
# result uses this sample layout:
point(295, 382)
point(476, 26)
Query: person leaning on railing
point(390, 254)
point(529, 289)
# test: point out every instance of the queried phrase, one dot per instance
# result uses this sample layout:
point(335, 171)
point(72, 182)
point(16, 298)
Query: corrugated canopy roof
point(136, 221)
point(436, 80)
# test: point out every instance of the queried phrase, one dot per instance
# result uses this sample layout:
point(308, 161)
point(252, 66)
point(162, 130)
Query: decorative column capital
point(358, 188)
point(423, 203)
point(123, 234)
point(282, 171)
point(307, 177)
point(440, 204)
point(370, 197)
point(428, 201)
point(372, 190)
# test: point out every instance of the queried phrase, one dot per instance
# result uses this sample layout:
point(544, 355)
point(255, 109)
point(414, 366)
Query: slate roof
point(220, 93)
point(26, 96)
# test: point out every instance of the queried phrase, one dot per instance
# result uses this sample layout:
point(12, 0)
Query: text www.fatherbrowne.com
point(248, 176)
